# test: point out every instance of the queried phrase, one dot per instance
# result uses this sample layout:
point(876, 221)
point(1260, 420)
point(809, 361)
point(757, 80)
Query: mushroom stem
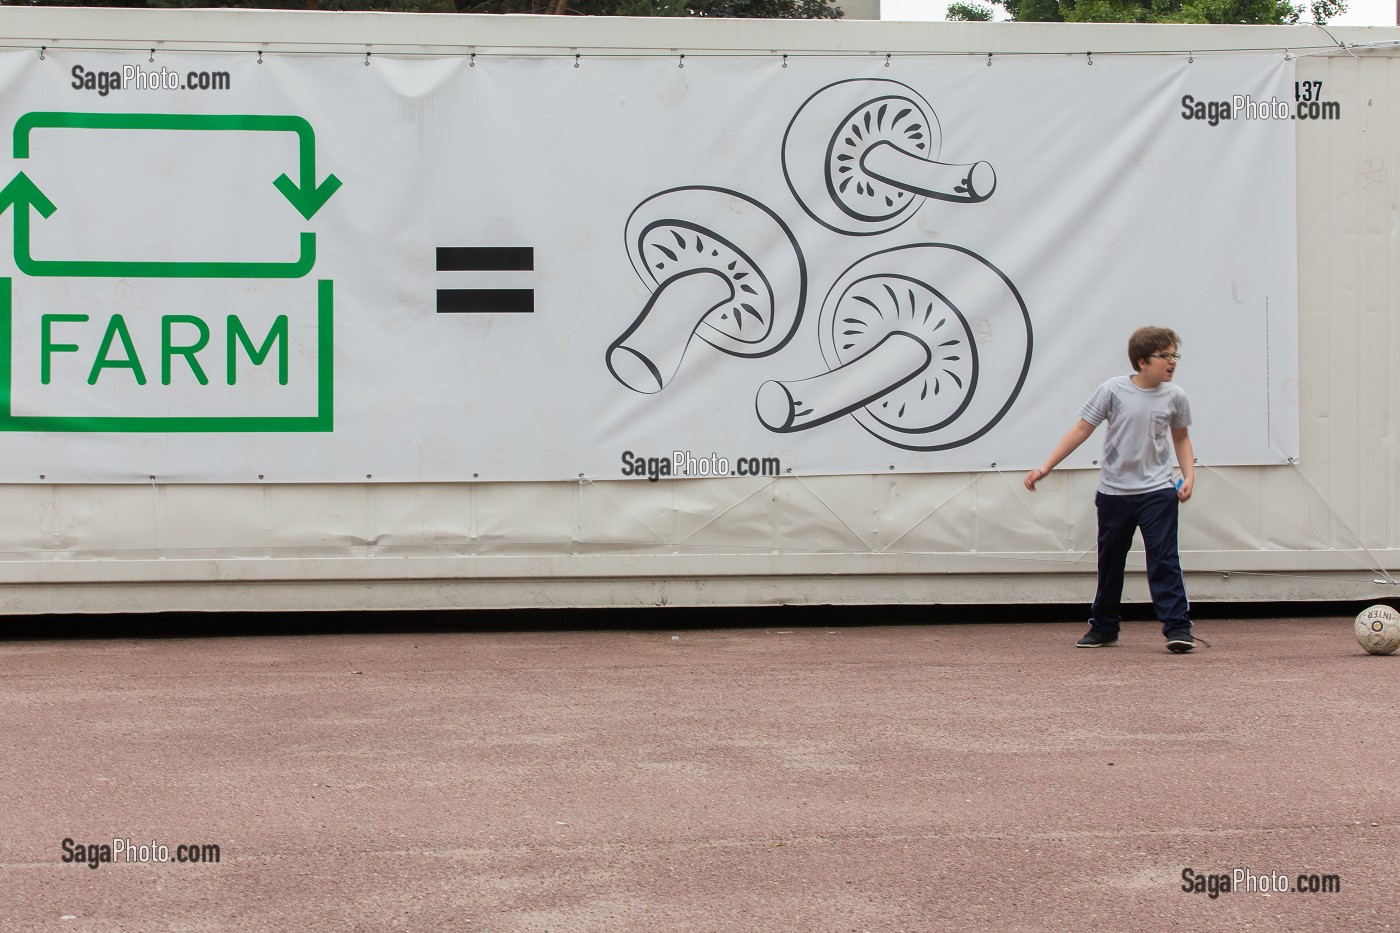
point(649, 352)
point(943, 180)
point(806, 403)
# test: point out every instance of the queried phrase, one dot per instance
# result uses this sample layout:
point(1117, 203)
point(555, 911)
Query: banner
point(335, 269)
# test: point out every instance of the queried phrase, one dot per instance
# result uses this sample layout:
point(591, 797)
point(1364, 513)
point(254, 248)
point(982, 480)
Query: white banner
point(329, 269)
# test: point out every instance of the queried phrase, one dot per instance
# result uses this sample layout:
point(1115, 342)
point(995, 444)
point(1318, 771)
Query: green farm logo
point(151, 330)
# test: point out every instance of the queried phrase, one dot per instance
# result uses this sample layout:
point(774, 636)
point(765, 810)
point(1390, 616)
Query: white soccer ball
point(1378, 629)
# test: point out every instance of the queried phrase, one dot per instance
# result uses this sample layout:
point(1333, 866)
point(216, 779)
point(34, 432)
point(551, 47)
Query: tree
point(766, 9)
point(744, 9)
point(1248, 12)
point(962, 12)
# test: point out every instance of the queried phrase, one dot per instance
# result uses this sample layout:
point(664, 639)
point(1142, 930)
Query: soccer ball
point(1378, 629)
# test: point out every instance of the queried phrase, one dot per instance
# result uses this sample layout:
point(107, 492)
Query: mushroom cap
point(964, 309)
point(684, 229)
point(879, 304)
point(826, 138)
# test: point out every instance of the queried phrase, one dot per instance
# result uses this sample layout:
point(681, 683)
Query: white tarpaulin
point(317, 269)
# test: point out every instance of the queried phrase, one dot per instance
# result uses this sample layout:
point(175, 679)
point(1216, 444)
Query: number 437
point(1307, 90)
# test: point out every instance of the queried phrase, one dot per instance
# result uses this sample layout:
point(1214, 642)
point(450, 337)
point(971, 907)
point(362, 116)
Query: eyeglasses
point(1172, 357)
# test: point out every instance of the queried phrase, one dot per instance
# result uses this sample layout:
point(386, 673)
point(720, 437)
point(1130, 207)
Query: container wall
point(1324, 527)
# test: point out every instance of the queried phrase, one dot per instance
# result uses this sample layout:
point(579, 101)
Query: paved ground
point(915, 777)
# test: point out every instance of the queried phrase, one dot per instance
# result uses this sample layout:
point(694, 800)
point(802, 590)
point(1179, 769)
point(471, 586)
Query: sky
point(1359, 12)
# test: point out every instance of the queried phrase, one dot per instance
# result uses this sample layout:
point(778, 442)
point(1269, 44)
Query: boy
point(1135, 486)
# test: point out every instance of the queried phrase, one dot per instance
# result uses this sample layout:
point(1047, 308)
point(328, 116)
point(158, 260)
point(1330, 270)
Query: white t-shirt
point(1137, 448)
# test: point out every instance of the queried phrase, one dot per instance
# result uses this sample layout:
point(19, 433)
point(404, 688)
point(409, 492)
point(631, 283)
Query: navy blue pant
point(1119, 517)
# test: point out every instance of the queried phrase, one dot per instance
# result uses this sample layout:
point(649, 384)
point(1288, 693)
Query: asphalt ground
point(774, 770)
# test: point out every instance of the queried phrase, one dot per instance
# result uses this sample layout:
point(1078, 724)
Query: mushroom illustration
point(723, 267)
point(861, 155)
point(927, 345)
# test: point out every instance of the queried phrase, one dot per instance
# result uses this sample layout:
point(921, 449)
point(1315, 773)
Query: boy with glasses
point(1147, 417)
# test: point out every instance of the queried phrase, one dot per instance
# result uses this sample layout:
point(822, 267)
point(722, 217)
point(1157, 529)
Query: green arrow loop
point(306, 196)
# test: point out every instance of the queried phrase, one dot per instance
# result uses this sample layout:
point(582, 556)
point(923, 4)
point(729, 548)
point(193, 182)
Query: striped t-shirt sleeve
point(1099, 405)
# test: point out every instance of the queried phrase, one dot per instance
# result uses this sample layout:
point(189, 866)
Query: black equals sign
point(485, 259)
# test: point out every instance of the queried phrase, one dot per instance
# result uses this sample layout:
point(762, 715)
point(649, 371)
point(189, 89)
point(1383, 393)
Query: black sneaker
point(1096, 639)
point(1181, 643)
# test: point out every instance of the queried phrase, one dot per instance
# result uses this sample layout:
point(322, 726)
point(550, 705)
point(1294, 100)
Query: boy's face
point(1160, 366)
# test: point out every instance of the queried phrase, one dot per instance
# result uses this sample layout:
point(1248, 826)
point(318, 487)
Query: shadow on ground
point(670, 618)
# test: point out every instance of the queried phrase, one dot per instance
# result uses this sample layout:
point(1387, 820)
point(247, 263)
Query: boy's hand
point(1183, 492)
point(1033, 477)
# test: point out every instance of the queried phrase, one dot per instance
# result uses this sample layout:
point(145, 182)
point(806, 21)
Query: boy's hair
point(1147, 341)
